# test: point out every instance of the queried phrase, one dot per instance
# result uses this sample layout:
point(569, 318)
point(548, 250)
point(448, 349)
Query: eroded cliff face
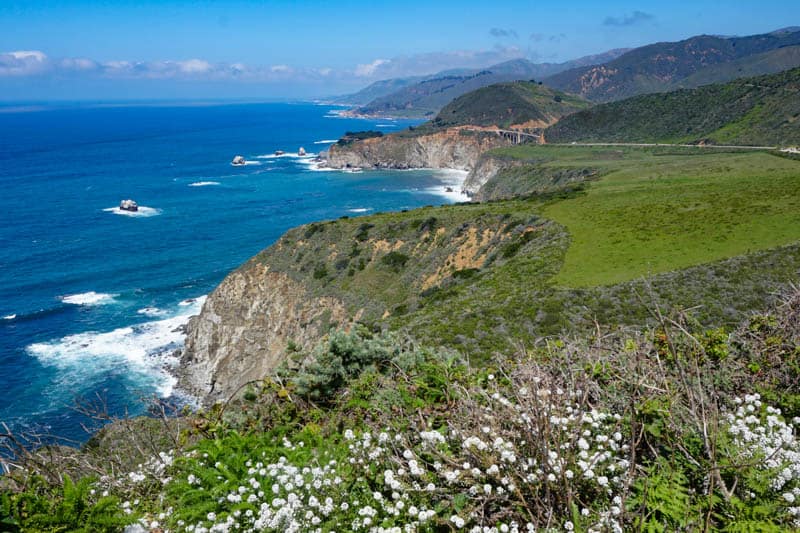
point(457, 148)
point(484, 170)
point(244, 327)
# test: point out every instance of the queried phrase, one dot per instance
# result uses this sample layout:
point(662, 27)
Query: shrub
point(395, 260)
point(320, 271)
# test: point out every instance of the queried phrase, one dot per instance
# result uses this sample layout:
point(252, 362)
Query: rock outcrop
point(457, 148)
point(245, 326)
point(129, 205)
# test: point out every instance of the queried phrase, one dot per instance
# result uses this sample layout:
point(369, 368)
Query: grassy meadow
point(658, 210)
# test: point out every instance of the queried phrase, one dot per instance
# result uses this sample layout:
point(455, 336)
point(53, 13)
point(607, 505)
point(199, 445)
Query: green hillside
point(504, 104)
point(695, 226)
point(751, 111)
point(770, 62)
point(658, 67)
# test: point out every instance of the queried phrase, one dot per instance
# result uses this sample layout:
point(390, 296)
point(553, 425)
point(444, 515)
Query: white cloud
point(33, 63)
point(194, 66)
point(23, 63)
point(368, 69)
point(29, 54)
point(78, 64)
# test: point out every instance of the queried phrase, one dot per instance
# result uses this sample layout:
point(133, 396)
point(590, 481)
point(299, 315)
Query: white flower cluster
point(154, 470)
point(507, 468)
point(277, 496)
point(547, 444)
point(760, 433)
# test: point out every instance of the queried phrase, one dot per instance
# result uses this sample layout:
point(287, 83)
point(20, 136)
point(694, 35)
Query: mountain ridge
point(426, 96)
point(654, 67)
point(763, 110)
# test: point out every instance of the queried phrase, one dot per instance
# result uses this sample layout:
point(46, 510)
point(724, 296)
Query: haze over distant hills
point(425, 96)
point(609, 76)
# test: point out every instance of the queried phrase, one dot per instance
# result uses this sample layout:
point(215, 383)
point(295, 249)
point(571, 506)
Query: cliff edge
point(456, 147)
point(245, 326)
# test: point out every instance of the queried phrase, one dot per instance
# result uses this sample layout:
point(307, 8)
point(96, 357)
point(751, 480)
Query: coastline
point(84, 343)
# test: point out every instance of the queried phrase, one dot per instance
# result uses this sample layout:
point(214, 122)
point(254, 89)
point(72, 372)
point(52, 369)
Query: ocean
point(92, 298)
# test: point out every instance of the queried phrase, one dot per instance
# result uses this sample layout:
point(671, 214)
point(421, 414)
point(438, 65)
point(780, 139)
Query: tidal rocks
point(238, 161)
point(301, 151)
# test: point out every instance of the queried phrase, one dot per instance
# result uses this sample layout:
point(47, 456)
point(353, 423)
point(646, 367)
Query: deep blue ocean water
point(90, 298)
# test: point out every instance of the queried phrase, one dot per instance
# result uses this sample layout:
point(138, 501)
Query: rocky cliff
point(457, 148)
point(245, 326)
point(485, 169)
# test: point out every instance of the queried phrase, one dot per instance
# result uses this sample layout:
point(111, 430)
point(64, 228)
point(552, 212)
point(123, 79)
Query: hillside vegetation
point(477, 276)
point(752, 111)
point(375, 433)
point(507, 104)
point(658, 67)
point(770, 62)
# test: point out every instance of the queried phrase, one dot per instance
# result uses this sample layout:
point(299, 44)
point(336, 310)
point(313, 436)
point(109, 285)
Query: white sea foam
point(288, 155)
point(326, 141)
point(89, 298)
point(360, 210)
point(452, 179)
point(203, 183)
point(251, 163)
point(145, 349)
point(9, 317)
point(142, 212)
point(152, 311)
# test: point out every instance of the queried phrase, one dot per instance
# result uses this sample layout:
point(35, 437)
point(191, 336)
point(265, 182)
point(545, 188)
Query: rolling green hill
point(505, 104)
point(752, 111)
point(658, 67)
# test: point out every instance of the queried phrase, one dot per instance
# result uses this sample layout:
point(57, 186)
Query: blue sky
point(74, 49)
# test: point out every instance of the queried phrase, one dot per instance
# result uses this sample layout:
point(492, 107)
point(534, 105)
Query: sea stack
point(128, 205)
point(238, 161)
point(301, 151)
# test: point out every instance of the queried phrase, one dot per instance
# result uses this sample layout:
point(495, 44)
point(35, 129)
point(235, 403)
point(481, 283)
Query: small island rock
point(238, 160)
point(301, 151)
point(128, 205)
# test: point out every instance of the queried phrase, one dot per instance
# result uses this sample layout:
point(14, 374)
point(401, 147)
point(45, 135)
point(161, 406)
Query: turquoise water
point(91, 300)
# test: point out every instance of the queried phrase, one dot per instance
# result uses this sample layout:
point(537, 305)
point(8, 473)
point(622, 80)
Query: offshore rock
point(129, 205)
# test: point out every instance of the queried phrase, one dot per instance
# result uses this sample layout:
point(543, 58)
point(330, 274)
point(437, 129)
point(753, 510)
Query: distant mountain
point(375, 90)
point(661, 66)
point(764, 110)
point(510, 103)
point(425, 97)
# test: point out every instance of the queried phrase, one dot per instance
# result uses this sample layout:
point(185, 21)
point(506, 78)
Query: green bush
point(395, 260)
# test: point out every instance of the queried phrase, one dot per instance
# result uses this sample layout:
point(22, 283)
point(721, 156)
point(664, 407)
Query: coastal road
point(667, 144)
